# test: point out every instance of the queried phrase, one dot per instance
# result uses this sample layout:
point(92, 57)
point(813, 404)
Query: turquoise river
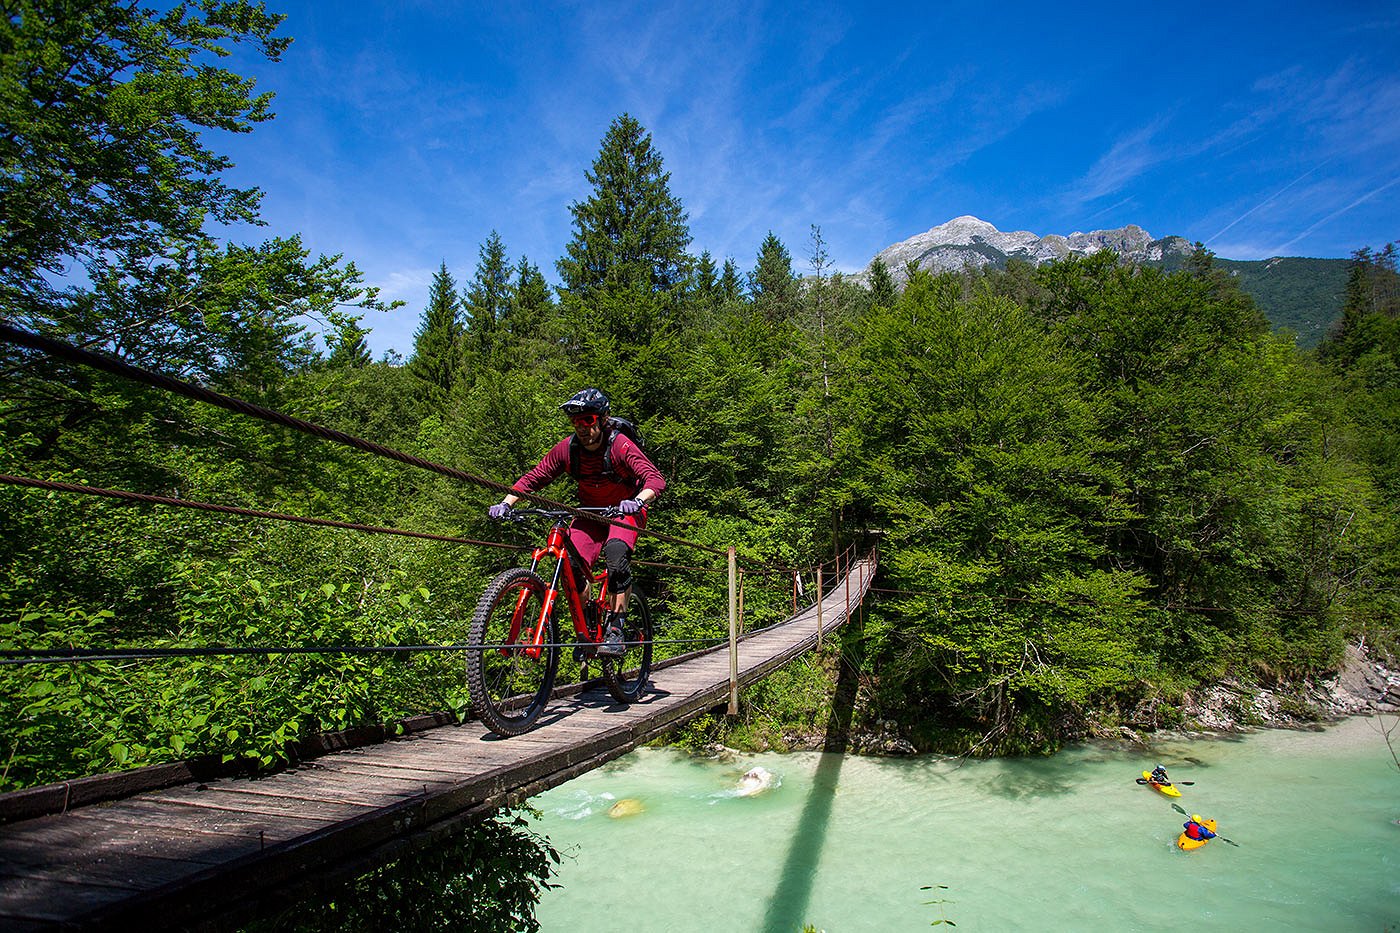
point(658, 840)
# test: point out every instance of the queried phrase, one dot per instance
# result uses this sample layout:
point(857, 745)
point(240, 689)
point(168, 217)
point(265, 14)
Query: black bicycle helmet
point(587, 402)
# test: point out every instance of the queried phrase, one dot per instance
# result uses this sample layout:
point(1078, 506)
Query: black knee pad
point(619, 558)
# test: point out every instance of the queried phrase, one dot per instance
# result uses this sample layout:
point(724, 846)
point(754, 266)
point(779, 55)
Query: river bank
point(1363, 685)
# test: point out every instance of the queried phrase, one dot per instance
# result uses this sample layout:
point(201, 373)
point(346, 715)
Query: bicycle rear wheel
point(509, 688)
point(626, 676)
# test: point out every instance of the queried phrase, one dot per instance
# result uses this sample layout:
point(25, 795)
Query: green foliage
point(488, 301)
point(102, 159)
point(1090, 482)
point(1304, 296)
point(103, 716)
point(938, 902)
point(487, 877)
point(348, 348)
point(440, 339)
point(631, 232)
point(772, 284)
point(882, 291)
point(785, 710)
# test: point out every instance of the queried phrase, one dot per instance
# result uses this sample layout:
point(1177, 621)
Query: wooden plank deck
point(204, 855)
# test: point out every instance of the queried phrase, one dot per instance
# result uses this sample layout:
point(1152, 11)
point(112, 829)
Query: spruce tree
point(772, 284)
point(488, 300)
point(882, 293)
point(349, 350)
point(531, 303)
point(731, 286)
point(706, 281)
point(631, 232)
point(437, 344)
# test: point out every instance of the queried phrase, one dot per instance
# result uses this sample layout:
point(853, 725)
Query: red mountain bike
point(514, 638)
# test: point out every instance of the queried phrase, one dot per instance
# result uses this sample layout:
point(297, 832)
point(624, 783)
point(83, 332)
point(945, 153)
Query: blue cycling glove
point(630, 506)
point(500, 511)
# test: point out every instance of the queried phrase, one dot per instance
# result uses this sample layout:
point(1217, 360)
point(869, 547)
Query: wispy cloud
point(1267, 201)
point(1338, 213)
point(1124, 162)
point(1110, 209)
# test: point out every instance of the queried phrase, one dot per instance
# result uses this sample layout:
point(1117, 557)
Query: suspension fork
point(555, 546)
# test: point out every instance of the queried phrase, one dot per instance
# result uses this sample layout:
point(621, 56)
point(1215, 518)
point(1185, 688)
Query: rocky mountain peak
point(969, 241)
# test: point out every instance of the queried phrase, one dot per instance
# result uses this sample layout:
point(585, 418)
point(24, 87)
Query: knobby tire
point(509, 690)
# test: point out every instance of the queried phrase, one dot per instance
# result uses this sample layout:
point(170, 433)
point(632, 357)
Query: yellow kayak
point(1186, 843)
point(1167, 789)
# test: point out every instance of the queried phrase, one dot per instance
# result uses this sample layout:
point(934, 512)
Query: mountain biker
point(633, 483)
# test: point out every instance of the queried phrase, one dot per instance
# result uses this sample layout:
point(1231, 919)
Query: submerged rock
point(755, 781)
point(627, 806)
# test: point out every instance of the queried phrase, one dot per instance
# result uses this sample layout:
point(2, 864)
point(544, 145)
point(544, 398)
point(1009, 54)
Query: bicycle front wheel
point(626, 676)
point(510, 679)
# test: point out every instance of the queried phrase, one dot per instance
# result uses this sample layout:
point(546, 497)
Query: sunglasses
point(584, 420)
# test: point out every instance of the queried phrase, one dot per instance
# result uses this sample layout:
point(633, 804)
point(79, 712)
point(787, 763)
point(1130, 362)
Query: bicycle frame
point(558, 546)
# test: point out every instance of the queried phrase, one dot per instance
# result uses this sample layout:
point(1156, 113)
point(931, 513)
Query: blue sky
point(406, 132)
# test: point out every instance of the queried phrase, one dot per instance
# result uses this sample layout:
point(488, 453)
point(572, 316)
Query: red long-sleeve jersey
point(634, 472)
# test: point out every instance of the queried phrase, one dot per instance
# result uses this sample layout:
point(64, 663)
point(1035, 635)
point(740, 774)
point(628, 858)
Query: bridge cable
point(175, 386)
point(236, 510)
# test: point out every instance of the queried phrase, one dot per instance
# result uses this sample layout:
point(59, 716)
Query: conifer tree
point(437, 344)
point(731, 286)
point(487, 302)
point(631, 231)
point(349, 350)
point(531, 303)
point(1201, 261)
point(882, 293)
point(706, 281)
point(772, 283)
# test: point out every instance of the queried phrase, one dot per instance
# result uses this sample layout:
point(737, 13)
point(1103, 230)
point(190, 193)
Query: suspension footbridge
point(206, 853)
point(191, 845)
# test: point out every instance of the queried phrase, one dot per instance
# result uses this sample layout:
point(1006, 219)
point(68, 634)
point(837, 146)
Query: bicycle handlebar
point(521, 515)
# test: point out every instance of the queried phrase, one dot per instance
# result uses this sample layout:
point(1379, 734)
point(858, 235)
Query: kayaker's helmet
point(587, 402)
point(1195, 817)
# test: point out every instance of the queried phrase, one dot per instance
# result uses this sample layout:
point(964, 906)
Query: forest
point(1093, 486)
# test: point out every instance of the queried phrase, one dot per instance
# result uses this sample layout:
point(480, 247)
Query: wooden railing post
point(819, 606)
point(846, 579)
point(733, 634)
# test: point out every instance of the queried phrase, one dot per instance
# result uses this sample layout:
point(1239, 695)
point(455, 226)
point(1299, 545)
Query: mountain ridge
point(1301, 294)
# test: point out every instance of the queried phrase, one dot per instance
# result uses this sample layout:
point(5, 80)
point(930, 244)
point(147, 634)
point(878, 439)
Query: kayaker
point(1196, 829)
point(1159, 776)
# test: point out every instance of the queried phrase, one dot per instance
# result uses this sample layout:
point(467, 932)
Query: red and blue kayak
point(1186, 843)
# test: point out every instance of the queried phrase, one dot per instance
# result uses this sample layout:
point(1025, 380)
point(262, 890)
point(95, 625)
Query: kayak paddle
point(1232, 842)
point(1169, 783)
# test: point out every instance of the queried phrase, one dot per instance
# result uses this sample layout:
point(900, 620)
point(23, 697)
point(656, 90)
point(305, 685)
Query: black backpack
point(616, 426)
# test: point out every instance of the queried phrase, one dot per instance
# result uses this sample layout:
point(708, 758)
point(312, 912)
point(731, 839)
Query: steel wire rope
point(122, 494)
point(125, 370)
point(175, 386)
point(145, 654)
point(10, 657)
point(19, 656)
point(134, 373)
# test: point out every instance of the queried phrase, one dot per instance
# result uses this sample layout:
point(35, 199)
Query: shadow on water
point(788, 907)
